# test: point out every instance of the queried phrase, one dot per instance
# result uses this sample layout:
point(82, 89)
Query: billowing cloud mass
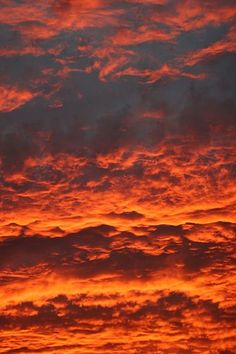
point(117, 176)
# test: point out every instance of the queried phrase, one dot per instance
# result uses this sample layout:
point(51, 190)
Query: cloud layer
point(117, 176)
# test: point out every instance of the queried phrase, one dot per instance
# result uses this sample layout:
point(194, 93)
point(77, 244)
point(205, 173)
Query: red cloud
point(117, 184)
point(12, 98)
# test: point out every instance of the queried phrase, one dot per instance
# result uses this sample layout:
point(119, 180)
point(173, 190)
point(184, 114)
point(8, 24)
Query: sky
point(117, 176)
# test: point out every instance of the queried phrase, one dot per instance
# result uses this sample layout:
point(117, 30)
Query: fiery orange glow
point(117, 177)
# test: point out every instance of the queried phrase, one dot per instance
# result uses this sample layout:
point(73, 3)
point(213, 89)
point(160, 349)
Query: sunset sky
point(117, 176)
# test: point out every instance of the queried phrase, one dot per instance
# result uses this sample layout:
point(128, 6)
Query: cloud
point(117, 176)
point(133, 215)
point(13, 98)
point(171, 311)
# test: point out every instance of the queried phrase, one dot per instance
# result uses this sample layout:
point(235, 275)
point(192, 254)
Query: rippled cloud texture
point(117, 176)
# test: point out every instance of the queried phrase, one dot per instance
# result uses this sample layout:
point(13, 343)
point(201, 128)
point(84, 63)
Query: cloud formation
point(117, 176)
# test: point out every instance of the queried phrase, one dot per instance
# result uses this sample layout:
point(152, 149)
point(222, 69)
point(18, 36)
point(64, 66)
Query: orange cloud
point(117, 184)
point(13, 98)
